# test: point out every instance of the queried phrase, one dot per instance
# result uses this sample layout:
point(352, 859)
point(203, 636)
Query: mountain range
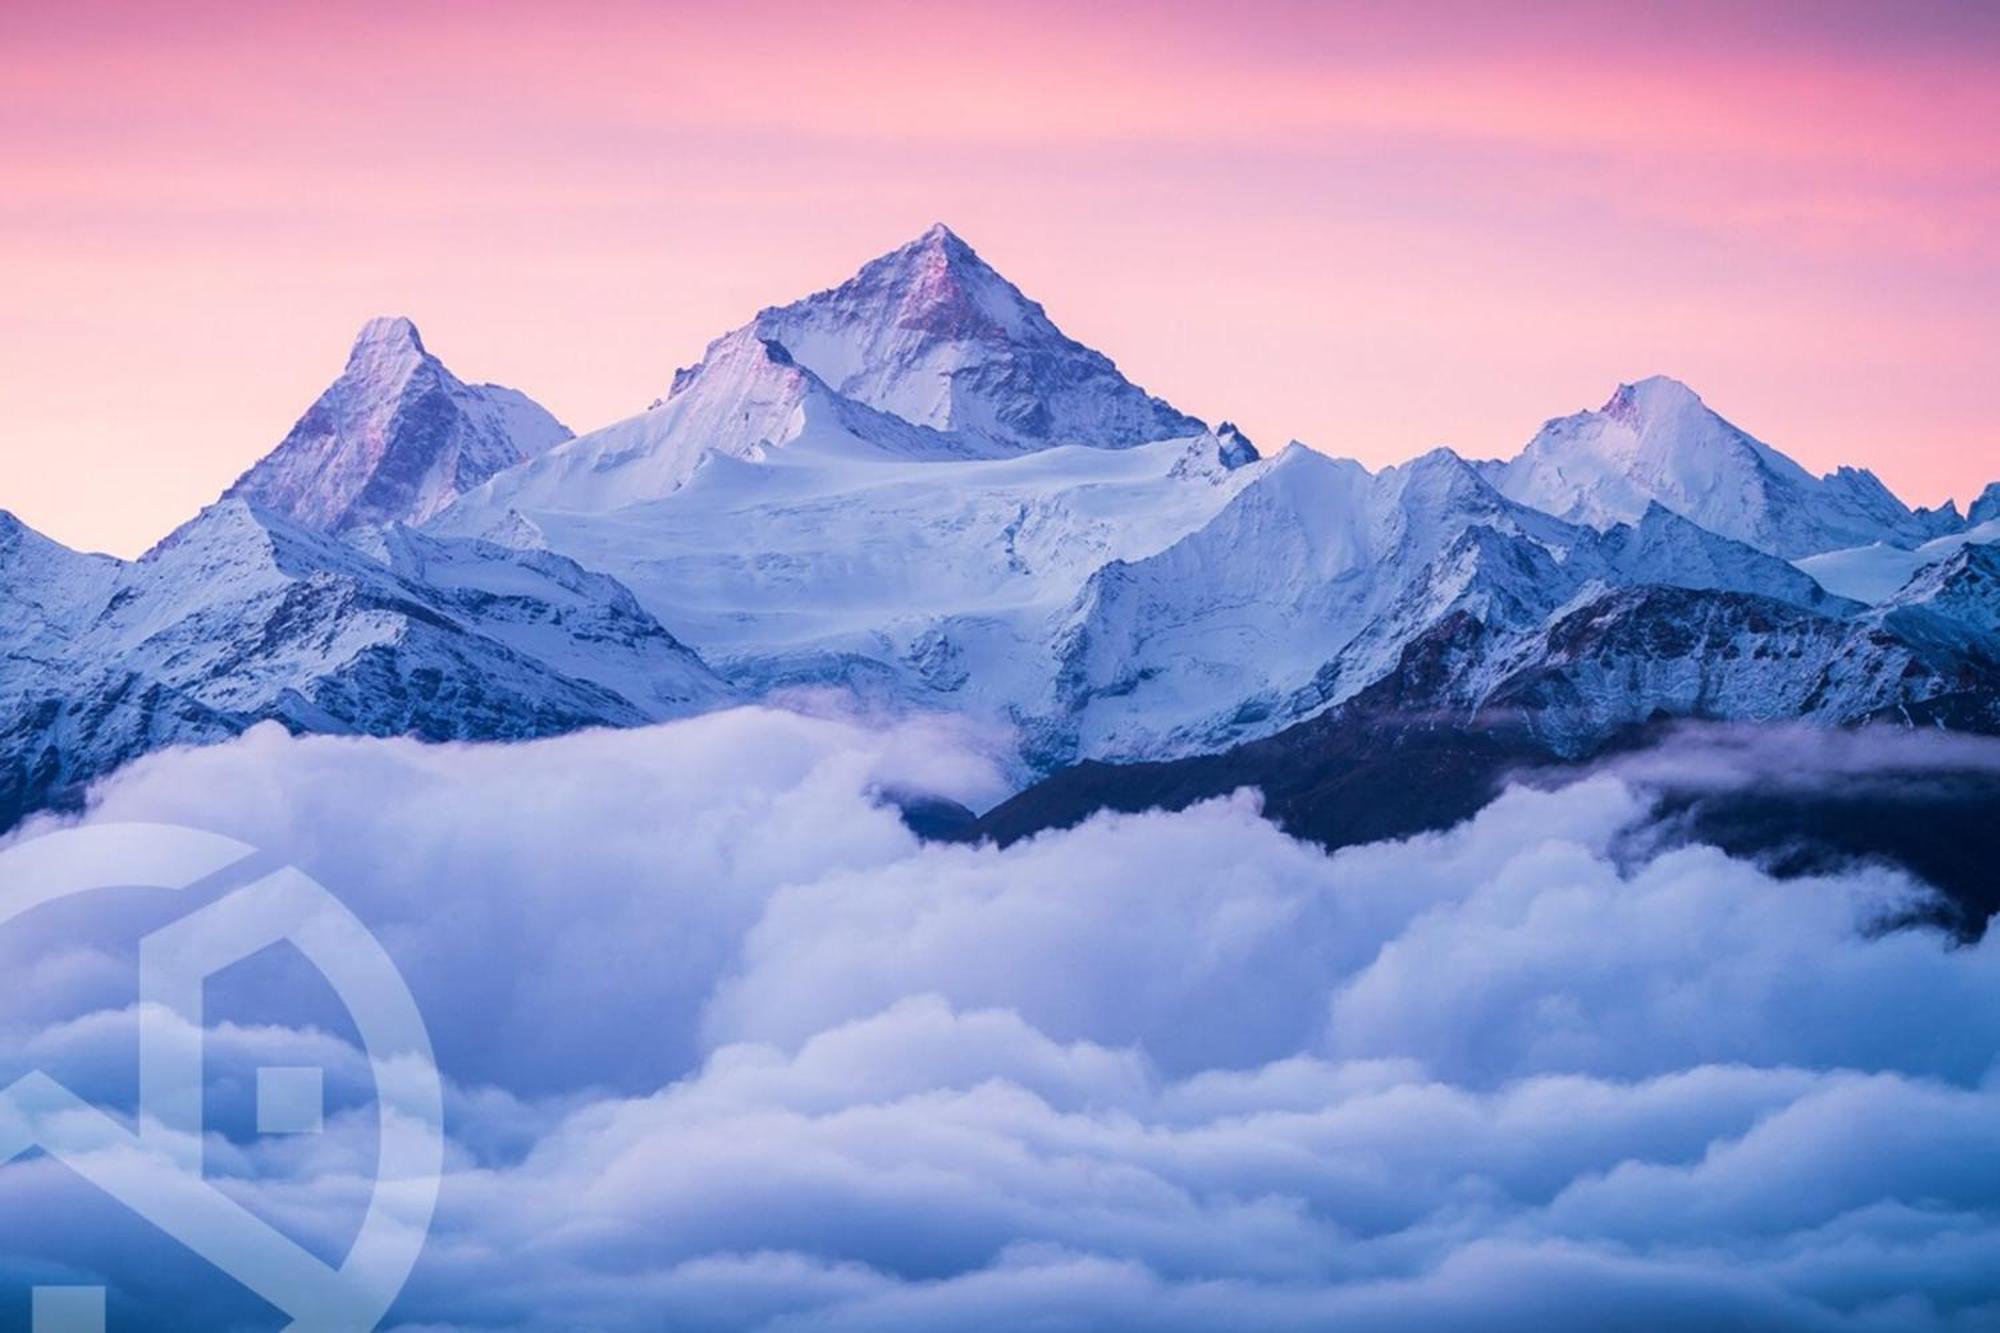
point(914, 488)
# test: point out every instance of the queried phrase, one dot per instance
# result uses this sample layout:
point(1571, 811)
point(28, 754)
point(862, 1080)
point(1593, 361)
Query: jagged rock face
point(1308, 587)
point(747, 400)
point(769, 510)
point(926, 354)
point(55, 741)
point(47, 592)
point(1656, 442)
point(1963, 590)
point(1468, 707)
point(915, 489)
point(394, 440)
point(240, 617)
point(1877, 573)
point(1643, 654)
point(1986, 508)
point(1664, 548)
point(931, 334)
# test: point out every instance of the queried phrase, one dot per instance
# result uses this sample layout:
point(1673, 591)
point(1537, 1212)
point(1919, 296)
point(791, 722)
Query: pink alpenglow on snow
point(1375, 228)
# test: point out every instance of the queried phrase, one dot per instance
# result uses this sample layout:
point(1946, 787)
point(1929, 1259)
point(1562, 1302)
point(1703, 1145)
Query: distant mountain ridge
point(1657, 442)
point(913, 487)
point(240, 617)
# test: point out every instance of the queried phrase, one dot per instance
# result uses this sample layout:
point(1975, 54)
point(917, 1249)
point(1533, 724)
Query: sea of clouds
point(728, 1048)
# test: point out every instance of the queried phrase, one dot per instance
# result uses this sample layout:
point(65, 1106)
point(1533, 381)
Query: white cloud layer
point(731, 1050)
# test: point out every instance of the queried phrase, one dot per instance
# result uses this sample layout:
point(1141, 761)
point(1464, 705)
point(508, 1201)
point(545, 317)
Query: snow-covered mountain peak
point(1233, 447)
point(31, 562)
point(235, 538)
point(1440, 460)
point(1439, 481)
point(1421, 505)
point(747, 399)
point(939, 236)
point(927, 354)
point(1986, 508)
point(1981, 559)
point(1651, 399)
point(932, 333)
point(231, 519)
point(388, 334)
point(388, 355)
point(745, 396)
point(1665, 435)
point(1963, 590)
point(939, 284)
point(744, 368)
point(395, 439)
point(1656, 441)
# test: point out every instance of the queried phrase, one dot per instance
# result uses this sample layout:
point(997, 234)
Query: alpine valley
point(913, 489)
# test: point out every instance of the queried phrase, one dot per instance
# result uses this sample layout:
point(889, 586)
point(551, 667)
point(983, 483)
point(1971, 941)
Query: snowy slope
point(1154, 600)
point(932, 334)
point(1874, 572)
point(1656, 441)
point(1664, 548)
point(251, 614)
point(823, 501)
point(746, 400)
point(1310, 585)
point(913, 487)
point(927, 353)
point(929, 581)
point(395, 439)
point(47, 592)
point(1986, 508)
point(1962, 589)
point(241, 616)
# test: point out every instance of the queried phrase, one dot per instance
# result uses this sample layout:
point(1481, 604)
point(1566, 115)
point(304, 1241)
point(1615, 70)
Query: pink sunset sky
point(1373, 227)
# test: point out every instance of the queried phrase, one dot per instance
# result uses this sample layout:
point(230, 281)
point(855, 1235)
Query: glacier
point(912, 488)
point(241, 617)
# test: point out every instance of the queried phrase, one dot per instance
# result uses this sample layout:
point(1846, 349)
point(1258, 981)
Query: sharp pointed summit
point(1651, 396)
point(395, 439)
point(926, 353)
point(1986, 508)
point(932, 333)
point(1655, 440)
point(392, 335)
point(915, 487)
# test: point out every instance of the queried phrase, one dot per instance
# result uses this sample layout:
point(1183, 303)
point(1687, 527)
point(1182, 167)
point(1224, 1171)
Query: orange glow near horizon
point(1372, 227)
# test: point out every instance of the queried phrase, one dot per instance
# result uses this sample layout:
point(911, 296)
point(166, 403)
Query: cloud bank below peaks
point(731, 1050)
